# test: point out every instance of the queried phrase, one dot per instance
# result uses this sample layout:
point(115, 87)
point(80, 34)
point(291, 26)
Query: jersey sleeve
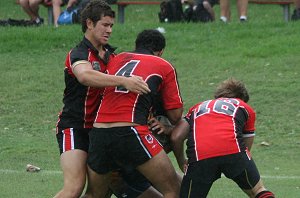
point(75, 56)
point(249, 128)
point(171, 94)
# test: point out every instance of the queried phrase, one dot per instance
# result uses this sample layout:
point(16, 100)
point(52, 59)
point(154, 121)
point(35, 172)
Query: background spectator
point(57, 7)
point(296, 13)
point(241, 8)
point(31, 7)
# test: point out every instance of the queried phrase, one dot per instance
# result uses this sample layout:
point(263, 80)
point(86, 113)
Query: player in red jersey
point(219, 133)
point(120, 137)
point(85, 66)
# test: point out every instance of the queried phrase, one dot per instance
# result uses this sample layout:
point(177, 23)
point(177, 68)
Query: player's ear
point(89, 24)
point(159, 53)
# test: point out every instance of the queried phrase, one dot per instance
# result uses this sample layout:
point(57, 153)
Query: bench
point(284, 3)
point(122, 4)
point(48, 5)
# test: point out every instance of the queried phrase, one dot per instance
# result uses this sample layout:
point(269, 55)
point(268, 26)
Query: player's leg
point(100, 163)
point(151, 192)
point(98, 185)
point(125, 183)
point(199, 178)
point(136, 148)
point(73, 164)
point(249, 181)
point(259, 191)
point(166, 181)
point(73, 145)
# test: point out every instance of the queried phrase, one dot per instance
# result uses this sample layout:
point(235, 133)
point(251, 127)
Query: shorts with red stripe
point(121, 147)
point(70, 139)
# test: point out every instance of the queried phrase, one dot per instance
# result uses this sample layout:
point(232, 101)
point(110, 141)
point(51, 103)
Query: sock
point(244, 18)
point(224, 19)
point(265, 194)
point(37, 20)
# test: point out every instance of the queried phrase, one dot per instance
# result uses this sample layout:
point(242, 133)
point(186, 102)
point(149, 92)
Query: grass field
point(264, 53)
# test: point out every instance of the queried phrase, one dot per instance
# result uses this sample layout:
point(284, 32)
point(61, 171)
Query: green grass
point(264, 53)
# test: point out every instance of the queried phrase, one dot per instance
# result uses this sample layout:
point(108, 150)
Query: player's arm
point(249, 141)
point(179, 134)
point(174, 115)
point(87, 76)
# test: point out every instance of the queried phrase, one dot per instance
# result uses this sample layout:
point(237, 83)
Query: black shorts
point(133, 183)
point(200, 175)
point(126, 147)
point(70, 139)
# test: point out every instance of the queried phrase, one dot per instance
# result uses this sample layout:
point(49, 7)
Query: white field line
point(52, 172)
point(49, 172)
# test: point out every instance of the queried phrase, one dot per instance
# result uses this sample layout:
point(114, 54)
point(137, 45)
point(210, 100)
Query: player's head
point(232, 88)
point(151, 40)
point(95, 10)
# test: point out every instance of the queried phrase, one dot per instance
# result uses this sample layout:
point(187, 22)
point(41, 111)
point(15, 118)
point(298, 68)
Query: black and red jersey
point(217, 128)
point(81, 102)
point(119, 105)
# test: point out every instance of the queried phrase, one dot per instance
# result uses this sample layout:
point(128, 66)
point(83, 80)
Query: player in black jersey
point(84, 75)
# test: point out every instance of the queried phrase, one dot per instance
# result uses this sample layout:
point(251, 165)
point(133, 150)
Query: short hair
point(95, 10)
point(151, 40)
point(232, 88)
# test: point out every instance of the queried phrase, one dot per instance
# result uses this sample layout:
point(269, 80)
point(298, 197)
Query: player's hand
point(137, 85)
point(155, 126)
point(183, 167)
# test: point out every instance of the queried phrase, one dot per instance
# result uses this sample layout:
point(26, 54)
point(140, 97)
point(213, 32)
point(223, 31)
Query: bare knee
point(24, 2)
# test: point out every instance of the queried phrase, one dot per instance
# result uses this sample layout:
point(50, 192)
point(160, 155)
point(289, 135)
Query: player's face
point(103, 29)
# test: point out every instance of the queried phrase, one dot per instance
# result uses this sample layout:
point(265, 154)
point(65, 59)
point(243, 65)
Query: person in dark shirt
point(84, 82)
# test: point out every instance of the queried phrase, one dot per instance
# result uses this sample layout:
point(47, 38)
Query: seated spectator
point(199, 10)
point(31, 7)
point(57, 8)
point(296, 13)
point(241, 8)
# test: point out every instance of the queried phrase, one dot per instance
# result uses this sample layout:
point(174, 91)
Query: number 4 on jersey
point(126, 71)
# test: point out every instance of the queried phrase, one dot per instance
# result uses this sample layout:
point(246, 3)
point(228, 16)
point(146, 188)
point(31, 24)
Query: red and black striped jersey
point(217, 128)
point(81, 102)
point(119, 105)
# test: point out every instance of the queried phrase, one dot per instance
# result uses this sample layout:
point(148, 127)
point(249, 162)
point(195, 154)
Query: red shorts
point(121, 147)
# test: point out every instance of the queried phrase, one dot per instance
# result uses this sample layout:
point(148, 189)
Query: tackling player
point(219, 133)
point(85, 66)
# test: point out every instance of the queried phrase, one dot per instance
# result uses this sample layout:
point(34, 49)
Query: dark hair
point(95, 10)
point(151, 40)
point(232, 88)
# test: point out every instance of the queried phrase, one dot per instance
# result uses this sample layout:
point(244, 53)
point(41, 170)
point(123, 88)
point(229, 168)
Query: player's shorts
point(126, 147)
point(133, 185)
point(70, 139)
point(200, 175)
